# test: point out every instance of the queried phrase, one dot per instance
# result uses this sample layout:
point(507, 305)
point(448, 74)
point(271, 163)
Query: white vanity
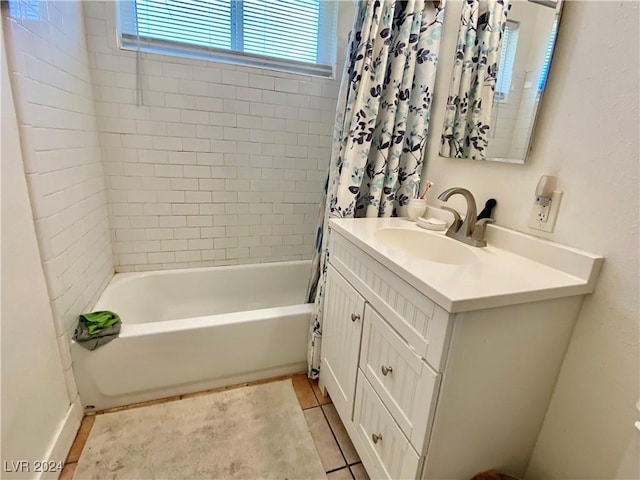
point(441, 358)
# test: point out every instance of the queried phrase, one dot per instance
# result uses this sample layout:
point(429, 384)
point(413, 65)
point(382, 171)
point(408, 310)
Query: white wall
point(38, 422)
point(48, 62)
point(587, 135)
point(223, 164)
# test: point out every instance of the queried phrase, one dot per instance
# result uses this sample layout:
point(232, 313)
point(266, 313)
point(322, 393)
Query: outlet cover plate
point(536, 220)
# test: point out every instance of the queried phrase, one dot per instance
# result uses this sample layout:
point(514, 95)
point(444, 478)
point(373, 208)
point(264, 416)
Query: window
point(505, 64)
point(25, 9)
point(547, 56)
point(292, 35)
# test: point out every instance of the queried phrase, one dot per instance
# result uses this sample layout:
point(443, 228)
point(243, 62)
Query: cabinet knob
point(376, 437)
point(355, 317)
point(386, 370)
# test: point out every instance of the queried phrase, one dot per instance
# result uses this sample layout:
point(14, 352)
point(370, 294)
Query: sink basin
point(425, 246)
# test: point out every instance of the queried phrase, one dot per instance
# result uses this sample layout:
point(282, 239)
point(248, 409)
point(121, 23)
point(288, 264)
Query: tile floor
point(337, 454)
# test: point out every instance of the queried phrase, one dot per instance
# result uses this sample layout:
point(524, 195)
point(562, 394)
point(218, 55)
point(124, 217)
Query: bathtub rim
point(206, 321)
point(122, 277)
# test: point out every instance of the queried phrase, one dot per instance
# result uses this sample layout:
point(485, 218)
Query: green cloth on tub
point(97, 328)
point(97, 321)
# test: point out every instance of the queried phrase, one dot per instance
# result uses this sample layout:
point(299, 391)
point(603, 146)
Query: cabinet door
point(341, 330)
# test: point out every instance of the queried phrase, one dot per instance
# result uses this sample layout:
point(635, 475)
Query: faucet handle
point(479, 228)
point(457, 219)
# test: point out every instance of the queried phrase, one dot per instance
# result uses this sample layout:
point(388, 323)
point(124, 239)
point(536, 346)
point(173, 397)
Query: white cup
point(416, 208)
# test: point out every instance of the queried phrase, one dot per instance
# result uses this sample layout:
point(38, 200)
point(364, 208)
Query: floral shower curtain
point(468, 115)
point(381, 124)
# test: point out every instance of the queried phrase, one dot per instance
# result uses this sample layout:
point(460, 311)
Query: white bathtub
point(194, 329)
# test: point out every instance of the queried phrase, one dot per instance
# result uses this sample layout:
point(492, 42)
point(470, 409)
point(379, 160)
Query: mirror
point(503, 56)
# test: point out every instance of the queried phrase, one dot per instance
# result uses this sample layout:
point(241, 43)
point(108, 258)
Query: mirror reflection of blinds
point(25, 9)
point(547, 56)
point(294, 35)
point(506, 62)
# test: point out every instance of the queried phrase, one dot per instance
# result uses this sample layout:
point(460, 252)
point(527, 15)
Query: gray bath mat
point(256, 432)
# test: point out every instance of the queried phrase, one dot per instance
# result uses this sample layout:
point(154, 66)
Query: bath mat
point(256, 432)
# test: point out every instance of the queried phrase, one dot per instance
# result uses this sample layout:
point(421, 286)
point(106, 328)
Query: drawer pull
point(376, 437)
point(355, 317)
point(386, 370)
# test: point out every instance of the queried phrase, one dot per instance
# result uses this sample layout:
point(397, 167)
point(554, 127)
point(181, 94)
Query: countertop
point(520, 269)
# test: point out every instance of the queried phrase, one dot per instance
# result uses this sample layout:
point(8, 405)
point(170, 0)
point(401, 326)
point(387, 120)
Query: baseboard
point(63, 439)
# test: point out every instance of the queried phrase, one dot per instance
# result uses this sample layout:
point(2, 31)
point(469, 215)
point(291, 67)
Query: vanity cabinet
point(427, 393)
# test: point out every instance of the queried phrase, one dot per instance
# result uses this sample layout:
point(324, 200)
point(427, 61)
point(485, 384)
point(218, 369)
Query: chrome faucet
point(470, 231)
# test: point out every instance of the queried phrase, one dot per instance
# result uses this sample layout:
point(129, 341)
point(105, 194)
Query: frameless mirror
point(503, 56)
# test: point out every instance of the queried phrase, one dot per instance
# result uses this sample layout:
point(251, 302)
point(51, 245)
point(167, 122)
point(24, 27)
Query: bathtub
point(195, 329)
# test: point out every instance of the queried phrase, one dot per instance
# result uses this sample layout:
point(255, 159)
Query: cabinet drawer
point(404, 382)
point(385, 443)
point(423, 324)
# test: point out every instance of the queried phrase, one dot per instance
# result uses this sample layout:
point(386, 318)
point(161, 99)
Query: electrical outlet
point(543, 217)
point(542, 213)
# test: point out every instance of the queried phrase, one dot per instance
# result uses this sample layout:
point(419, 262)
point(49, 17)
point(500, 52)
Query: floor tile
point(348, 450)
point(342, 474)
point(303, 389)
point(358, 472)
point(81, 438)
point(326, 444)
point(68, 471)
point(322, 399)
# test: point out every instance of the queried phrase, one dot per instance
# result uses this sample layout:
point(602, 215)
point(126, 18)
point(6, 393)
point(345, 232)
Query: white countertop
point(498, 278)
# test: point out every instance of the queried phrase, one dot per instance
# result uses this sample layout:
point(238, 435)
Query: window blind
point(25, 9)
point(507, 60)
point(547, 56)
point(293, 35)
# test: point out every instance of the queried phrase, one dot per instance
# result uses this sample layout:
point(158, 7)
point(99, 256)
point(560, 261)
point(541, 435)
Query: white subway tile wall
point(513, 120)
point(52, 88)
point(222, 164)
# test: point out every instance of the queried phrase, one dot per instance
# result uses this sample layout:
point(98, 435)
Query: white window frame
point(135, 42)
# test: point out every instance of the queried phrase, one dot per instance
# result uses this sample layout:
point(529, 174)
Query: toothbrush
point(429, 184)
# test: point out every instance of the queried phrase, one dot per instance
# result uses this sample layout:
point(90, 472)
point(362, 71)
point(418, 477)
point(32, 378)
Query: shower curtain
point(468, 114)
point(381, 125)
